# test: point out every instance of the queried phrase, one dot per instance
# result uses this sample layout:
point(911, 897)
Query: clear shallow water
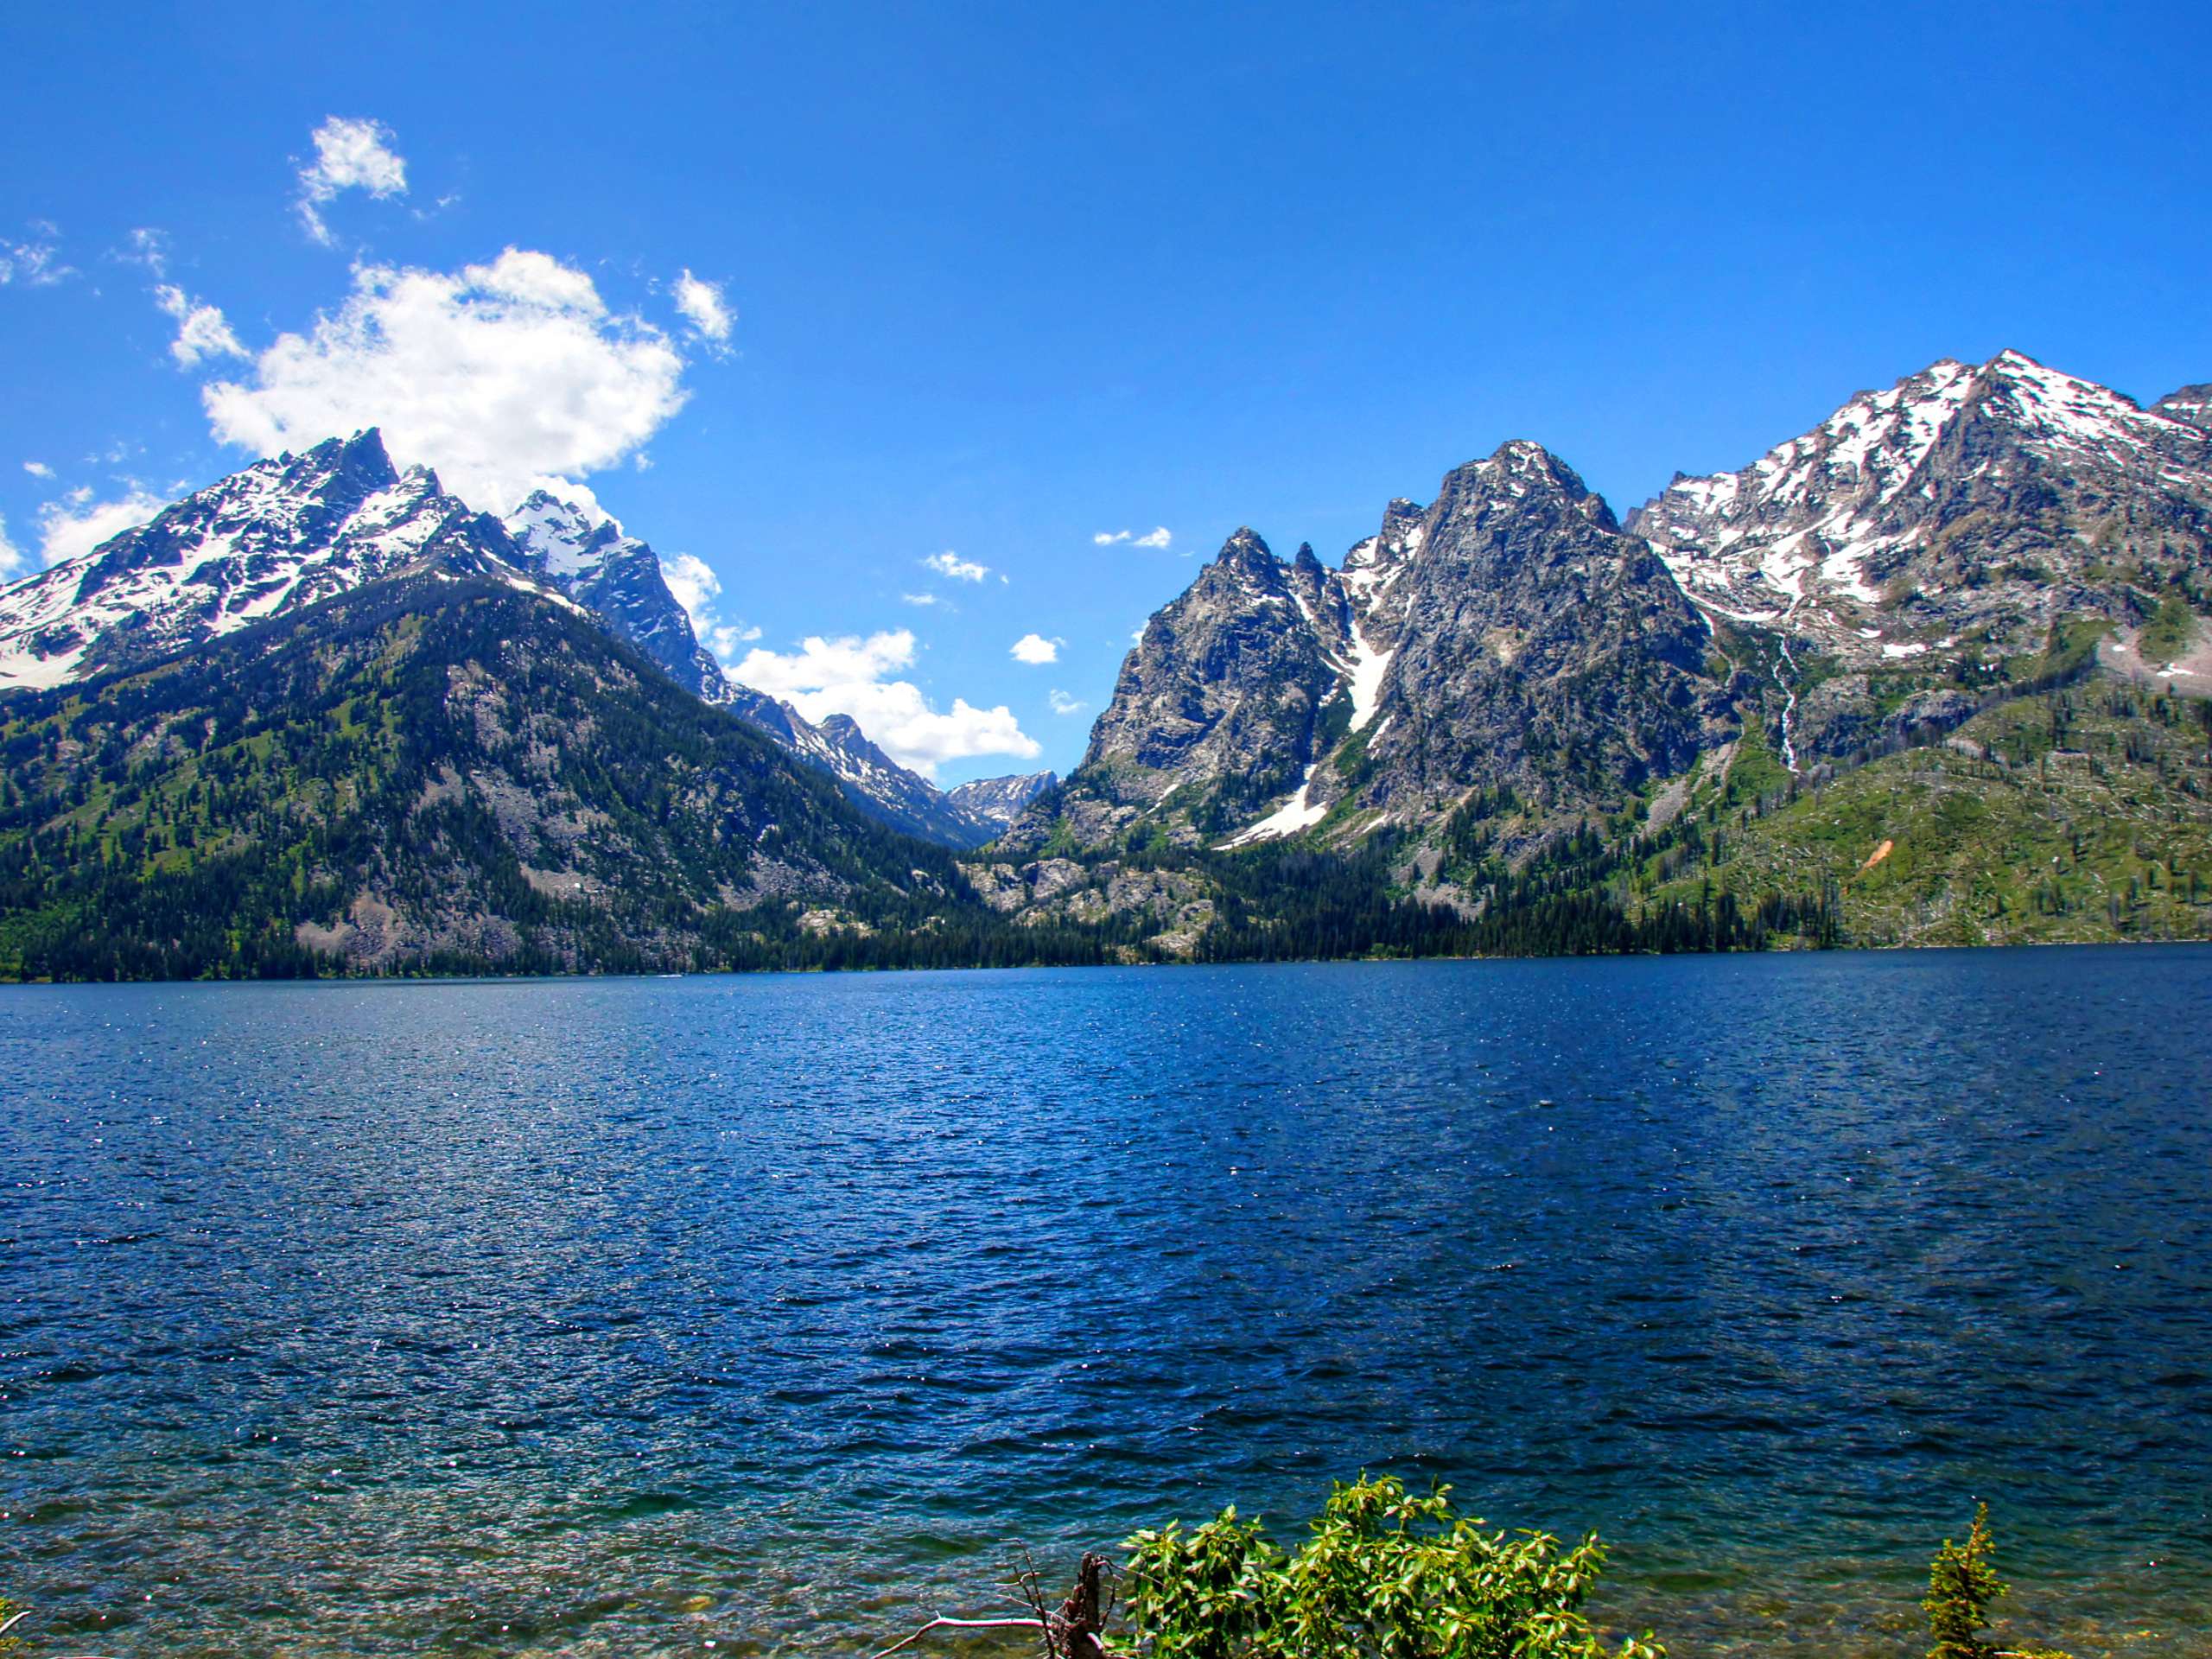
point(621, 1317)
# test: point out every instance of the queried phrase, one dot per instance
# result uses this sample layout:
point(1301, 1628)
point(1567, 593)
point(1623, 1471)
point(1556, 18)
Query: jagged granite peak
point(1509, 632)
point(1964, 507)
point(1530, 642)
point(999, 801)
point(293, 530)
point(276, 537)
point(1222, 693)
point(619, 578)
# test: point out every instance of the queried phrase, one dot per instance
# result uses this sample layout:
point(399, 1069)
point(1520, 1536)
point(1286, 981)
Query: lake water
point(629, 1317)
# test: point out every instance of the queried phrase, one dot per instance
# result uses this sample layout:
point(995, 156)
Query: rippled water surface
point(628, 1317)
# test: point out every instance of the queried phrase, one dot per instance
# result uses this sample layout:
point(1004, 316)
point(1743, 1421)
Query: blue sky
point(998, 280)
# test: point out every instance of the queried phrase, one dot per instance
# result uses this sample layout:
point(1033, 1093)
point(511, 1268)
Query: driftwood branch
point(941, 1623)
point(1071, 1631)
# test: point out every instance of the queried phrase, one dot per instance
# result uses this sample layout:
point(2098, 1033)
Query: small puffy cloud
point(1036, 650)
point(696, 588)
point(349, 154)
point(1160, 537)
point(704, 308)
point(36, 263)
point(501, 377)
point(201, 331)
point(1064, 704)
point(846, 676)
point(73, 527)
point(38, 469)
point(919, 599)
point(952, 567)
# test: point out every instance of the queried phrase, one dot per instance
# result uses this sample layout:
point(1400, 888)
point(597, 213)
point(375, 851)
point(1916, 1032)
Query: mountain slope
point(284, 534)
point(440, 770)
point(1951, 517)
point(617, 578)
point(266, 542)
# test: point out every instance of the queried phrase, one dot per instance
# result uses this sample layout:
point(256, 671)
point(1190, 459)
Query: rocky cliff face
point(1529, 644)
point(1508, 635)
point(1220, 703)
point(617, 578)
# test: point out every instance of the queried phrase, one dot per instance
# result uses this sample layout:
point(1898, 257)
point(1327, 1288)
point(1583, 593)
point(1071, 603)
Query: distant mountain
point(444, 770)
point(1568, 729)
point(617, 578)
point(1946, 525)
point(999, 801)
point(284, 534)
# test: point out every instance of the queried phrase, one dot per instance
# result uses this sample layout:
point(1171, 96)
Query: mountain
point(1937, 672)
point(442, 770)
point(1508, 636)
point(284, 534)
point(1953, 518)
point(999, 801)
point(266, 542)
point(1576, 734)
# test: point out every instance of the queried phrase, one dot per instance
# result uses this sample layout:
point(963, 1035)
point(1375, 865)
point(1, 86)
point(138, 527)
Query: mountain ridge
point(284, 533)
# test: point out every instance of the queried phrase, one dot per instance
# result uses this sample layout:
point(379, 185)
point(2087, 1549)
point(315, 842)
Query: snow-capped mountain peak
point(282, 534)
point(1813, 534)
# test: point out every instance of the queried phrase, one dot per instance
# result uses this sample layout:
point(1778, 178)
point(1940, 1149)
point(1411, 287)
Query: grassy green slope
point(2084, 814)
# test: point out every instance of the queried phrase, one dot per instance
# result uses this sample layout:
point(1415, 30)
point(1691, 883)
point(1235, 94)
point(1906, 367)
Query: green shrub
point(1383, 1575)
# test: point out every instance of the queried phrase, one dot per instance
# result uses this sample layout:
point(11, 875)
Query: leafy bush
point(1383, 1575)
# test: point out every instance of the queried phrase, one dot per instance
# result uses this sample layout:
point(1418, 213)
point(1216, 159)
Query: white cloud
point(11, 558)
point(77, 524)
point(201, 331)
point(696, 588)
point(702, 303)
point(1036, 650)
point(846, 676)
point(148, 247)
point(1064, 704)
point(919, 599)
point(501, 376)
point(953, 567)
point(34, 264)
point(349, 154)
point(1160, 537)
point(38, 469)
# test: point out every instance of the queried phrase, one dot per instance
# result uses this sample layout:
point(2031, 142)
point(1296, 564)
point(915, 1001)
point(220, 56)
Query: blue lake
point(629, 1317)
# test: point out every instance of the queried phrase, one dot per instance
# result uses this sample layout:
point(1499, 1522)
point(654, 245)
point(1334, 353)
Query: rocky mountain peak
point(1246, 553)
point(1518, 479)
point(2190, 403)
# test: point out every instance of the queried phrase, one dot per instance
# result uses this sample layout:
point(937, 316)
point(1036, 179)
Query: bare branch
point(942, 1622)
